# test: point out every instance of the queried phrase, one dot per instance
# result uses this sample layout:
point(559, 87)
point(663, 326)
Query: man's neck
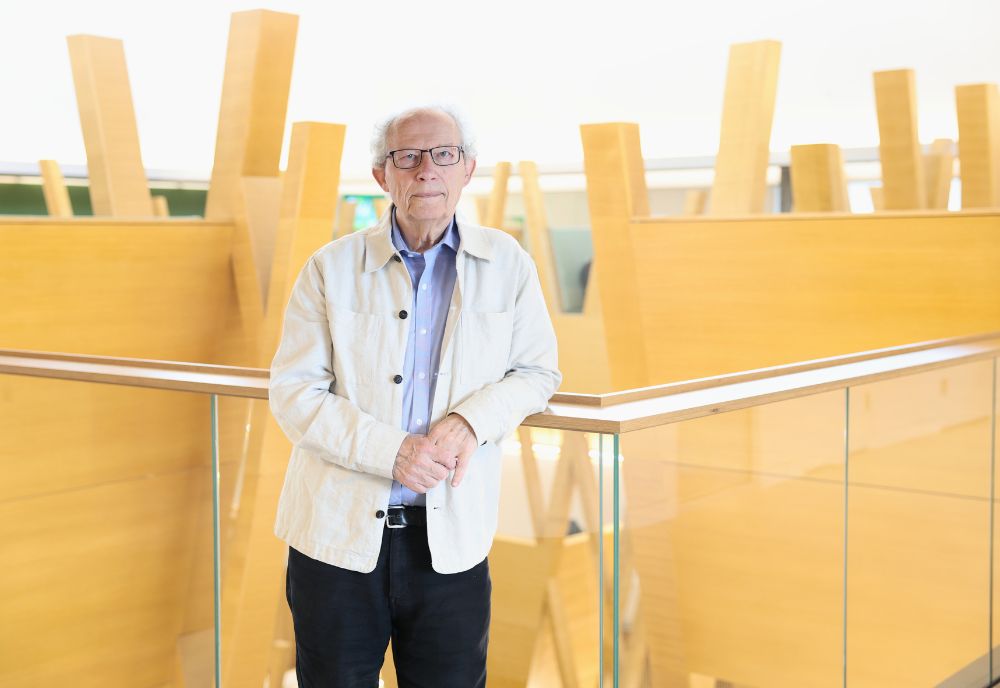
point(421, 236)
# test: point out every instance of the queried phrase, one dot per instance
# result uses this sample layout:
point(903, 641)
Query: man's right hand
point(420, 464)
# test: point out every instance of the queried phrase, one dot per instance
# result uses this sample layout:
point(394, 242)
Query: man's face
point(427, 193)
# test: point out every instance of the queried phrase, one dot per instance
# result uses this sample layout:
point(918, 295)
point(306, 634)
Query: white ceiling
point(526, 73)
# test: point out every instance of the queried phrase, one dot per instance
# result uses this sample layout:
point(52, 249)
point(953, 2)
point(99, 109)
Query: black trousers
point(438, 623)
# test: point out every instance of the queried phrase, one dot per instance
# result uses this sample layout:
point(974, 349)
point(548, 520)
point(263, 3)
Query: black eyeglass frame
point(391, 156)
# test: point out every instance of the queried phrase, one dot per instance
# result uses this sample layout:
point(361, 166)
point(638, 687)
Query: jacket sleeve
point(301, 397)
point(533, 374)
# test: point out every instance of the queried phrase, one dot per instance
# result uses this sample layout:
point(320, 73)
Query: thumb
point(460, 468)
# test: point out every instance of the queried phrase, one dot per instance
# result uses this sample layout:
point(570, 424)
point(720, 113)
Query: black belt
point(403, 516)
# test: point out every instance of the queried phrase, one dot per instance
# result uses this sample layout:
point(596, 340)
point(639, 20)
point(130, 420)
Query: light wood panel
point(616, 191)
point(833, 285)
point(345, 218)
point(497, 200)
point(903, 184)
point(695, 202)
point(740, 184)
point(258, 75)
point(114, 163)
point(939, 168)
point(252, 585)
point(54, 188)
point(979, 144)
point(818, 183)
point(160, 206)
point(878, 198)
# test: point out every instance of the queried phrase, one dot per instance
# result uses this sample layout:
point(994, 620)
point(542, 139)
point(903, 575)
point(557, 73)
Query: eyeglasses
point(408, 158)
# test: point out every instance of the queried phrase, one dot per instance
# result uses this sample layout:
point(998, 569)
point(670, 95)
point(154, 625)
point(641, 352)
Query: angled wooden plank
point(497, 202)
point(254, 102)
point(118, 184)
point(818, 183)
point(979, 144)
point(878, 198)
point(939, 166)
point(695, 202)
point(54, 189)
point(345, 218)
point(903, 182)
point(740, 185)
point(253, 583)
point(616, 192)
point(537, 229)
point(160, 206)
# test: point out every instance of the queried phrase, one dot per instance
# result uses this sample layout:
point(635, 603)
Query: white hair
point(380, 136)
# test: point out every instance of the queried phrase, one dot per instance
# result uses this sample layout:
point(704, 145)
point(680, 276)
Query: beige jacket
point(332, 391)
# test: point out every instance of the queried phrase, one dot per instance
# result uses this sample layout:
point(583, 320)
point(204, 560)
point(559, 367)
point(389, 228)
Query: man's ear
point(379, 174)
point(470, 167)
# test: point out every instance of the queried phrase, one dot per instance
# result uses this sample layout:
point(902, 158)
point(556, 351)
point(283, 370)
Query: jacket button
point(396, 258)
point(397, 379)
point(379, 514)
point(402, 315)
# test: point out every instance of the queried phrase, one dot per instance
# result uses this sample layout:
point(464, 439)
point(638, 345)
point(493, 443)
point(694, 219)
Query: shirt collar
point(451, 238)
point(379, 247)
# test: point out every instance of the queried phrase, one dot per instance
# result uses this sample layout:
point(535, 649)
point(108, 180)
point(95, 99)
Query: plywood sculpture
point(979, 144)
point(54, 188)
point(818, 183)
point(903, 184)
point(740, 185)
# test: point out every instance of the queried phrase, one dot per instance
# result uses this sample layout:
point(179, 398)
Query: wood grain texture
point(979, 144)
point(939, 169)
point(118, 184)
point(903, 184)
point(740, 184)
point(161, 208)
point(616, 192)
point(253, 582)
point(833, 285)
point(818, 182)
point(497, 201)
point(54, 189)
point(258, 75)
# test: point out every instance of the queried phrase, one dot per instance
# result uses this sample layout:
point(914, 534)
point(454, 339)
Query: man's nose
point(426, 170)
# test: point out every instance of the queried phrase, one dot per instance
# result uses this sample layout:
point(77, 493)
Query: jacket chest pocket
point(486, 345)
point(356, 344)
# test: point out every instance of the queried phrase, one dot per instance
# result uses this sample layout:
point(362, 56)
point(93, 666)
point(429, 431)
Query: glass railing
point(824, 524)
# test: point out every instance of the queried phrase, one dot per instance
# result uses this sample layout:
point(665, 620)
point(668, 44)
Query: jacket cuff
point(477, 413)
point(381, 449)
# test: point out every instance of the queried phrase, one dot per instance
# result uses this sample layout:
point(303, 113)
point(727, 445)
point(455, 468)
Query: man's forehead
point(425, 123)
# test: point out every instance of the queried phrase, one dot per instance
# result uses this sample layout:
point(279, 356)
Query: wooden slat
point(939, 165)
point(118, 184)
point(255, 88)
point(903, 182)
point(695, 202)
point(979, 144)
point(740, 184)
point(252, 586)
point(497, 202)
point(818, 183)
point(537, 230)
point(160, 206)
point(54, 188)
point(878, 198)
point(616, 192)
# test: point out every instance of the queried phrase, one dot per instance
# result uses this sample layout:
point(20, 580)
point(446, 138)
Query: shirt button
point(397, 379)
point(379, 514)
point(423, 330)
point(402, 315)
point(424, 287)
point(421, 375)
point(397, 258)
point(420, 421)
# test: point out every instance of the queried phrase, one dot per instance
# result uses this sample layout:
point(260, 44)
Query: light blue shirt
point(433, 276)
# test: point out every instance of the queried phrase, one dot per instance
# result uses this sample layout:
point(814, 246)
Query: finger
point(439, 473)
point(460, 468)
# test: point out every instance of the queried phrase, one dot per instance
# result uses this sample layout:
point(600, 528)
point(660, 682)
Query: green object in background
point(572, 250)
point(28, 199)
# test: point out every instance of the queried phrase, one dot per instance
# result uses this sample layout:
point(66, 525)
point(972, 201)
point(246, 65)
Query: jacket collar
point(379, 249)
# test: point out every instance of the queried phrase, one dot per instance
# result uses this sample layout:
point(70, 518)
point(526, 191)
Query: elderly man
point(409, 350)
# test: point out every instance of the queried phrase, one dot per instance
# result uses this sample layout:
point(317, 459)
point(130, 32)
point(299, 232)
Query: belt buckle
point(395, 519)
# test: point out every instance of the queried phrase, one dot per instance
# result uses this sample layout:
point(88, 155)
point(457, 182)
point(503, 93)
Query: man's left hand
point(454, 434)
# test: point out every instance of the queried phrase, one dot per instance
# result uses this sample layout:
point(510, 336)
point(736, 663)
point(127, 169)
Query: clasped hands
point(424, 461)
